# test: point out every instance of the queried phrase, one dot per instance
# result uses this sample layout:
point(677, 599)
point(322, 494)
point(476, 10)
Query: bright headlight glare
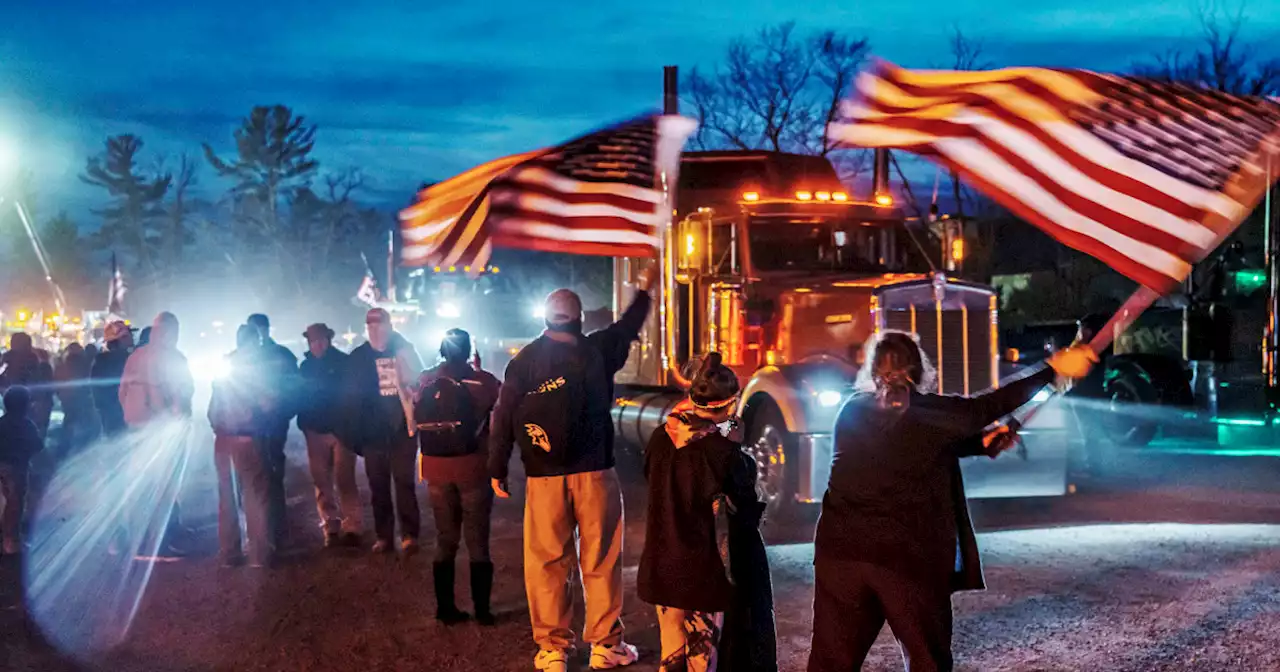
point(214, 367)
point(1042, 396)
point(539, 311)
point(448, 310)
point(829, 398)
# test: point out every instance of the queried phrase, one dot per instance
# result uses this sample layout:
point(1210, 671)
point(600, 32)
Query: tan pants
point(689, 639)
point(559, 510)
point(331, 461)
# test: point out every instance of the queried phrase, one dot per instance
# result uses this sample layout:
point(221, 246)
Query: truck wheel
point(770, 444)
point(1129, 393)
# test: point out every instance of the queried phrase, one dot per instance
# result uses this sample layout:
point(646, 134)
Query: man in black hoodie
point(318, 407)
point(282, 372)
point(108, 368)
point(380, 381)
point(555, 401)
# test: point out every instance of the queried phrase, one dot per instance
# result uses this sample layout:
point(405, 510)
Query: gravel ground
point(1171, 564)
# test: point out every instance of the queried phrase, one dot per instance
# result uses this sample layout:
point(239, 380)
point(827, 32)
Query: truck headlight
point(448, 310)
point(213, 367)
point(829, 398)
point(1042, 396)
point(539, 311)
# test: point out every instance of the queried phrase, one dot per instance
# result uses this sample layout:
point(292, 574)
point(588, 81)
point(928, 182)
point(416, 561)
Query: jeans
point(852, 601)
point(568, 520)
point(331, 461)
point(461, 510)
point(13, 487)
point(393, 467)
point(242, 484)
point(272, 446)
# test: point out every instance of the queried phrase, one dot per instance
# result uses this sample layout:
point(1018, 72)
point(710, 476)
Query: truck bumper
point(813, 460)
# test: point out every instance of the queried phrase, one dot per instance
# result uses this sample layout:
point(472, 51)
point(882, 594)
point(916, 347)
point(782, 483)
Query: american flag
point(368, 293)
point(1146, 176)
point(601, 194)
point(115, 289)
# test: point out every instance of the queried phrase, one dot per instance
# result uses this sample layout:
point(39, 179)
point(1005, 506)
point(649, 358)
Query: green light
point(1249, 281)
point(1241, 422)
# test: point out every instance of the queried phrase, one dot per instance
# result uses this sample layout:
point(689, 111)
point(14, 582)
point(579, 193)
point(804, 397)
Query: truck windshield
point(789, 244)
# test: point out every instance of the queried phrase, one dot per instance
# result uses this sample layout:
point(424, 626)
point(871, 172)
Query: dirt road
point(1172, 564)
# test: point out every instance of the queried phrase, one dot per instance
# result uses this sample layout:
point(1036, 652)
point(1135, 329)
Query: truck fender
point(770, 384)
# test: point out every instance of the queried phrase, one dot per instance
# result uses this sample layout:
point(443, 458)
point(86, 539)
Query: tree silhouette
point(776, 91)
point(130, 220)
point(1222, 61)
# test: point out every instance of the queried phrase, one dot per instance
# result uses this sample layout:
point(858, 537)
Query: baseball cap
point(562, 307)
point(376, 316)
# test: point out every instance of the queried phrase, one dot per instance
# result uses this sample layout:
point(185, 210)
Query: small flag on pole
point(1146, 176)
point(369, 293)
point(115, 289)
point(601, 194)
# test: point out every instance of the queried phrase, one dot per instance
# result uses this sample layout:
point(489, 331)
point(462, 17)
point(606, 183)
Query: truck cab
point(773, 264)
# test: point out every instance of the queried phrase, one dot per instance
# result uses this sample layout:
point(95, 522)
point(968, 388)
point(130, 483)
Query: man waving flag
point(601, 194)
point(1146, 176)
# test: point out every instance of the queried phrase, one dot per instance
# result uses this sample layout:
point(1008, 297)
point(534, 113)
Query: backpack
point(549, 417)
point(446, 418)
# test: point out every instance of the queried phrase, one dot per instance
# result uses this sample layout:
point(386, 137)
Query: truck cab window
point(786, 244)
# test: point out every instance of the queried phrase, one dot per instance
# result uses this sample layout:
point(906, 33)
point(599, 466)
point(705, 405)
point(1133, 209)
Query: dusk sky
point(411, 92)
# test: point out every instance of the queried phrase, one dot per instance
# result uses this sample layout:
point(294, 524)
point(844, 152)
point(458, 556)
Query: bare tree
point(1223, 61)
point(776, 91)
point(176, 234)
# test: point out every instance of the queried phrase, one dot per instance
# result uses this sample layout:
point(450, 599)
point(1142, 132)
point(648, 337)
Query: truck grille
point(950, 358)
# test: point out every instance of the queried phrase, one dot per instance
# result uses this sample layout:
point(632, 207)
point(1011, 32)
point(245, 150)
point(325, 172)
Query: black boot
point(481, 587)
point(446, 609)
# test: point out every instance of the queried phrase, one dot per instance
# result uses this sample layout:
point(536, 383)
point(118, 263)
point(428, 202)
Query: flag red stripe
point(505, 239)
point(503, 211)
point(520, 188)
point(1122, 263)
point(1080, 203)
point(1115, 180)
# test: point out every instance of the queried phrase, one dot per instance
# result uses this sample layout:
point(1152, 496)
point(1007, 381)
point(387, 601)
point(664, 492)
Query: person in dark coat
point(378, 392)
point(331, 462)
point(894, 540)
point(696, 471)
point(458, 486)
point(19, 442)
point(282, 374)
point(108, 368)
point(26, 365)
point(76, 397)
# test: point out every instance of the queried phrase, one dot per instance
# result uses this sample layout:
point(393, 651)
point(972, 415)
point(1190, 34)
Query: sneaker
point(382, 546)
point(551, 660)
point(409, 546)
point(609, 657)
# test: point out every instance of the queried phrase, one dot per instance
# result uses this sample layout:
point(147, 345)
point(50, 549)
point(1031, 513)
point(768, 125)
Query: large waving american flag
point(1146, 176)
point(601, 194)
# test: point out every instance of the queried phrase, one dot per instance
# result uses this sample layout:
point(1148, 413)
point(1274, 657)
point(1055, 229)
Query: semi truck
point(772, 263)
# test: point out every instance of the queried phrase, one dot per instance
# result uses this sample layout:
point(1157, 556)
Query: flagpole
point(391, 266)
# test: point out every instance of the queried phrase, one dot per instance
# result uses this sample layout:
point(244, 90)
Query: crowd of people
point(893, 542)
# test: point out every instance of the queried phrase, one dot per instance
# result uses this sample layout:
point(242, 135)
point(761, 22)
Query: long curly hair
point(895, 365)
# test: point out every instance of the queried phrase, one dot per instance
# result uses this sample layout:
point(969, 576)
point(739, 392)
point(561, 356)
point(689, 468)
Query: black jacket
point(281, 368)
point(320, 396)
point(681, 566)
point(896, 497)
point(373, 418)
point(108, 367)
point(19, 440)
point(610, 348)
point(244, 403)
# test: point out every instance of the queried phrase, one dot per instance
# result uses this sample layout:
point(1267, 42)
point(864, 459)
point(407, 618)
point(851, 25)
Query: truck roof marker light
point(770, 358)
point(823, 195)
point(436, 269)
point(884, 200)
point(804, 195)
point(751, 196)
point(689, 244)
point(839, 196)
point(453, 269)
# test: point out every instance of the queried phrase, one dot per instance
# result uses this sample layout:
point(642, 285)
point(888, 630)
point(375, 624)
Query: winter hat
point(318, 331)
point(714, 385)
point(456, 345)
point(563, 307)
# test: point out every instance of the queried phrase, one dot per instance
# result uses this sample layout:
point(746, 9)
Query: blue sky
point(414, 91)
